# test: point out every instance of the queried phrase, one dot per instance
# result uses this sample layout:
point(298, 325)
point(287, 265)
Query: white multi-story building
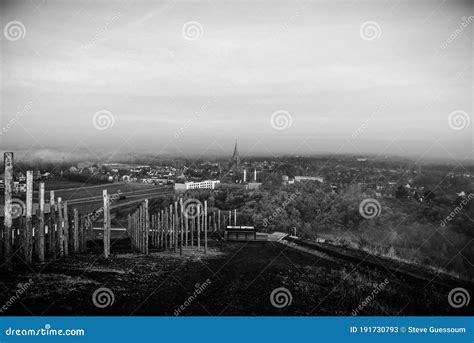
point(208, 184)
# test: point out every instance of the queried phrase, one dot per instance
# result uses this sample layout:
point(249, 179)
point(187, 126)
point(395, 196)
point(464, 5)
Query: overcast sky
point(379, 77)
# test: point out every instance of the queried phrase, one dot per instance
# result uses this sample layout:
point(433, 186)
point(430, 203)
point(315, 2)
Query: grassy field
point(241, 279)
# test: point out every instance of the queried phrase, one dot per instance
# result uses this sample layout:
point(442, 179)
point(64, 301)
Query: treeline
point(405, 228)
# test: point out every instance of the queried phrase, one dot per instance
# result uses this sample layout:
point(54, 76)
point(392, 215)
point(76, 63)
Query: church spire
point(235, 156)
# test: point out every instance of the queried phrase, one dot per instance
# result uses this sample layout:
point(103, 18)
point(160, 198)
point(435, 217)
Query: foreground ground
point(241, 277)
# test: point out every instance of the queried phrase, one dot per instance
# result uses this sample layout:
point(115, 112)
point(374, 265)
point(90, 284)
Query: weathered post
point(186, 224)
point(165, 221)
point(214, 220)
point(82, 236)
point(193, 222)
point(29, 218)
point(106, 223)
point(219, 219)
point(147, 227)
point(205, 226)
point(176, 226)
point(199, 227)
point(129, 229)
point(171, 225)
point(134, 227)
point(235, 217)
point(76, 232)
point(52, 226)
point(60, 227)
point(40, 236)
point(181, 224)
point(140, 229)
point(66, 229)
point(8, 219)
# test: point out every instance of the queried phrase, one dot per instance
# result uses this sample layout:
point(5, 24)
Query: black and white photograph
point(185, 158)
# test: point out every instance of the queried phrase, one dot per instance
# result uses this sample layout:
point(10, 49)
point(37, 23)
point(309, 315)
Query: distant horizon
point(55, 156)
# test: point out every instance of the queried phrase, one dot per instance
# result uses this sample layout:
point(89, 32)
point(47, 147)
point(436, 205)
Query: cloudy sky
point(307, 77)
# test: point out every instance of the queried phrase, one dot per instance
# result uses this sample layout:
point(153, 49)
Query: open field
point(89, 198)
point(242, 277)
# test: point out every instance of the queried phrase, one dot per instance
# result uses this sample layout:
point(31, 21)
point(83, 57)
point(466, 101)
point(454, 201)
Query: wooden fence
point(57, 230)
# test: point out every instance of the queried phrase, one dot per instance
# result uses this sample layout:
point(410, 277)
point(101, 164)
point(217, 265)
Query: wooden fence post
point(29, 218)
point(199, 227)
point(60, 227)
point(52, 226)
point(205, 226)
point(193, 222)
point(41, 233)
point(186, 224)
point(8, 219)
point(170, 215)
point(76, 232)
point(140, 228)
point(165, 228)
point(219, 220)
point(106, 223)
point(176, 226)
point(235, 217)
point(66, 229)
point(147, 226)
point(214, 220)
point(181, 224)
point(82, 236)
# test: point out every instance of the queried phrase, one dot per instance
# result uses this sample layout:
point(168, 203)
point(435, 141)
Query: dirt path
point(233, 279)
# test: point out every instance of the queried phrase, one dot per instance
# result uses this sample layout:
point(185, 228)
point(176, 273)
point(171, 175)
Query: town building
point(207, 184)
